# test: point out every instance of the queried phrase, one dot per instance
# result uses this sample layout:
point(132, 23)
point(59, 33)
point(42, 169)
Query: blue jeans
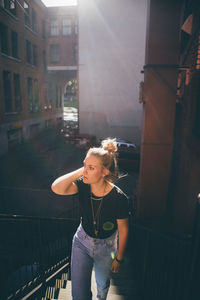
point(88, 252)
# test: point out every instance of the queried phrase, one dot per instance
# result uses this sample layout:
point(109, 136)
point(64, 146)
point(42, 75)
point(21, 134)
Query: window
point(30, 93)
point(4, 39)
point(43, 29)
point(60, 96)
point(66, 26)
point(17, 94)
point(76, 26)
point(34, 20)
point(35, 96)
point(50, 93)
point(54, 53)
point(75, 54)
point(7, 91)
point(28, 52)
point(9, 5)
point(35, 55)
point(27, 14)
point(57, 96)
point(54, 27)
point(44, 60)
point(14, 44)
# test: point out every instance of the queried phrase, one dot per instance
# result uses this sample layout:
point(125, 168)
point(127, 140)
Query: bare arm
point(123, 238)
point(65, 185)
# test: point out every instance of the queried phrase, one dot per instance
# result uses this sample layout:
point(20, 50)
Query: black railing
point(194, 278)
point(37, 202)
point(162, 263)
point(31, 250)
point(167, 265)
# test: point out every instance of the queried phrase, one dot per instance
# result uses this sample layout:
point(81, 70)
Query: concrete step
point(123, 285)
point(123, 290)
point(120, 297)
point(65, 293)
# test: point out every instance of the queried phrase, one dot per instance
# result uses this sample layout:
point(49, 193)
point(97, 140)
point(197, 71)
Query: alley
point(28, 171)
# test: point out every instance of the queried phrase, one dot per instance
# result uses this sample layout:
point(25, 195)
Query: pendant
point(96, 232)
point(94, 222)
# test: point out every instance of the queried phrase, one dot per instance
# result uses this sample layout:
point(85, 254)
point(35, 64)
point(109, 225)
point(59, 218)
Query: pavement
point(37, 162)
point(28, 170)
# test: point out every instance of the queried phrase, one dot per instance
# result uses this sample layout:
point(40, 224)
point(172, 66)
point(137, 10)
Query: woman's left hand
point(115, 266)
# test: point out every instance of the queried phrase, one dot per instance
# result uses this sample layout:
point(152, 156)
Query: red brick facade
point(31, 97)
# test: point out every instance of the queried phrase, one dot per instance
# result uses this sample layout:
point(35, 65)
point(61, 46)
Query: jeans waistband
point(96, 240)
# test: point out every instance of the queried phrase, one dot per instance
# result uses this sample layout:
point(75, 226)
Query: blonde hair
point(107, 153)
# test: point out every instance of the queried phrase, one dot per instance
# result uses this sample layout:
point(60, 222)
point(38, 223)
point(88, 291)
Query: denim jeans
point(88, 252)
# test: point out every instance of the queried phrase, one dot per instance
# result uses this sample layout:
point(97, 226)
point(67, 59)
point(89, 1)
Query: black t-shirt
point(114, 206)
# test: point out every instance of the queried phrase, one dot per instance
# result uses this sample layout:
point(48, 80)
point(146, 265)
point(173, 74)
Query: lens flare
point(112, 254)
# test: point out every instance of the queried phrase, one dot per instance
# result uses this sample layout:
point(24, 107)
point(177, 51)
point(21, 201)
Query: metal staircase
point(124, 285)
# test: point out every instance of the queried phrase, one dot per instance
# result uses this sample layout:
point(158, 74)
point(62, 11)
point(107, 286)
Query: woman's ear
point(105, 172)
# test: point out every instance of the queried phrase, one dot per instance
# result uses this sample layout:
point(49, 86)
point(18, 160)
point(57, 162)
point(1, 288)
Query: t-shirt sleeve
point(79, 183)
point(82, 187)
point(122, 206)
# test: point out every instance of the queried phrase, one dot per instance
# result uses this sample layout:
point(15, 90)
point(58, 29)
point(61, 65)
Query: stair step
point(51, 292)
point(116, 292)
point(123, 285)
point(120, 297)
point(61, 283)
point(65, 293)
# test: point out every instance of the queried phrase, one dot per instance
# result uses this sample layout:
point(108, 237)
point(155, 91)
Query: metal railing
point(162, 263)
point(37, 202)
point(194, 276)
point(31, 250)
point(167, 265)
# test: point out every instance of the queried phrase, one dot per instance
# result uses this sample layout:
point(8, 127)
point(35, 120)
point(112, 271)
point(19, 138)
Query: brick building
point(31, 83)
point(170, 162)
point(62, 46)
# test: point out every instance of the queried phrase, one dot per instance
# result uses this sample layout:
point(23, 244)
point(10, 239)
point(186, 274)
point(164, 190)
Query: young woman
point(102, 235)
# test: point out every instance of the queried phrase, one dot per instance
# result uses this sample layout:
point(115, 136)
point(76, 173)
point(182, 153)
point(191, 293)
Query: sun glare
point(59, 2)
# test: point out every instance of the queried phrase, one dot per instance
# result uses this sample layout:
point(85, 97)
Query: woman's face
point(93, 171)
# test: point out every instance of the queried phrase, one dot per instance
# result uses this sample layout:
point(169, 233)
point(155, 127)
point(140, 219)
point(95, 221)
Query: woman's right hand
point(65, 185)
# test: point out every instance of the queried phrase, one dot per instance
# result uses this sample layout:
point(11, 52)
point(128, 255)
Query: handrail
point(167, 265)
point(161, 261)
point(34, 217)
point(31, 250)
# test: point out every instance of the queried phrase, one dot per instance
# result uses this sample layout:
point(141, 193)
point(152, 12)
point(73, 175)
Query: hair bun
point(109, 145)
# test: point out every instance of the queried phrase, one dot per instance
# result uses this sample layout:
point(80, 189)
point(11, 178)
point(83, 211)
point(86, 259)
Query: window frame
point(67, 28)
point(76, 26)
point(30, 93)
point(7, 4)
point(17, 92)
point(34, 21)
point(4, 39)
point(7, 87)
point(54, 28)
point(27, 16)
point(35, 55)
point(28, 52)
point(14, 44)
point(52, 55)
point(43, 29)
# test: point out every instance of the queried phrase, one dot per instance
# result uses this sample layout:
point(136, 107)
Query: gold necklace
point(93, 198)
point(96, 217)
